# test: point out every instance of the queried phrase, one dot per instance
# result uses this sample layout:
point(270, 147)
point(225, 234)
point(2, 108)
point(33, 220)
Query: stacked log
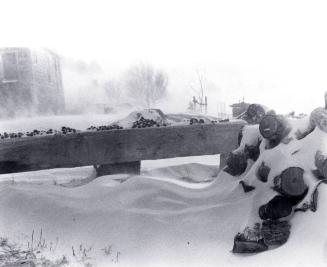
point(263, 172)
point(291, 183)
point(243, 245)
point(253, 114)
point(321, 163)
point(276, 208)
point(274, 127)
point(236, 163)
point(252, 151)
point(292, 188)
point(275, 232)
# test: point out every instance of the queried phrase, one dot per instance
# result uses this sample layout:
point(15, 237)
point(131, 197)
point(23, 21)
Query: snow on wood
point(117, 146)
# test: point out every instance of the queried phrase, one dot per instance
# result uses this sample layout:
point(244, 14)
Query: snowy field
point(178, 212)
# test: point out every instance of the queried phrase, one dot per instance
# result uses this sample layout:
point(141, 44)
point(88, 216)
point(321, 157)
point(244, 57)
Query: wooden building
point(30, 82)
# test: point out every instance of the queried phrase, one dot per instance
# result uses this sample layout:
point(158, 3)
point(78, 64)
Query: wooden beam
point(116, 146)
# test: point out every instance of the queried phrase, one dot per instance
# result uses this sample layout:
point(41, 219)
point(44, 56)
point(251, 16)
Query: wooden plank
point(108, 147)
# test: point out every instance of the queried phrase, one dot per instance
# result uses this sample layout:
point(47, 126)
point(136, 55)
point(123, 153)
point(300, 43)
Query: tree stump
point(291, 183)
point(274, 127)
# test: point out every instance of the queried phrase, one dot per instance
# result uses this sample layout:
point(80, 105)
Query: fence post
point(223, 158)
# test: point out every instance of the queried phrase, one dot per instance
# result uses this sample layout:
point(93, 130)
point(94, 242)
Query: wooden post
point(133, 167)
point(223, 159)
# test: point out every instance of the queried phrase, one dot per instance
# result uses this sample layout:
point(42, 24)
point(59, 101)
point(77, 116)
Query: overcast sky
point(274, 52)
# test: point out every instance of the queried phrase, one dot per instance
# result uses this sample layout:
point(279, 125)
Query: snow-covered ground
point(178, 212)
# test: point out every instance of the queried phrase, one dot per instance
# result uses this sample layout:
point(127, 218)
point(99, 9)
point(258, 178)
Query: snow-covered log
point(291, 183)
point(263, 172)
point(275, 232)
point(278, 207)
point(274, 127)
point(236, 163)
point(254, 114)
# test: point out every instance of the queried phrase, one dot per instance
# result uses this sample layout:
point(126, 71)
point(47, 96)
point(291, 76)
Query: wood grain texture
point(107, 147)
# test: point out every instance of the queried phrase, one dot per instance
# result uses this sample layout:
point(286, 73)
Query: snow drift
point(185, 215)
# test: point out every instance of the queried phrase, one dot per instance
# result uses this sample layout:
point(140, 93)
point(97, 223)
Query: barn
point(30, 82)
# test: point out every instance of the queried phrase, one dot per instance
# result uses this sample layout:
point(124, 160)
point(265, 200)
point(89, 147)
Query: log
point(274, 127)
point(263, 172)
point(321, 163)
point(236, 163)
point(243, 245)
point(291, 183)
point(318, 118)
point(275, 232)
point(278, 207)
point(252, 151)
point(253, 114)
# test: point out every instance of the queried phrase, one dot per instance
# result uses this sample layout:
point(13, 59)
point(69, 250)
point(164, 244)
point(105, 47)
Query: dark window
point(10, 72)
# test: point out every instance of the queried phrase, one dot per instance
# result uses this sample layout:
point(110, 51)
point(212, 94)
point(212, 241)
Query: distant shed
point(30, 82)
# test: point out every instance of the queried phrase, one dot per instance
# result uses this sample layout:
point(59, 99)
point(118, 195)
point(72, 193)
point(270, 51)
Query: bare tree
point(146, 84)
point(113, 90)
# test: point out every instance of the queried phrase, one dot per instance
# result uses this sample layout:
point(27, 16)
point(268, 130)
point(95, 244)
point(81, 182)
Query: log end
point(236, 163)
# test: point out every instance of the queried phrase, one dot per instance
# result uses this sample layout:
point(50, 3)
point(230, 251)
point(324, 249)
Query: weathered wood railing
point(118, 150)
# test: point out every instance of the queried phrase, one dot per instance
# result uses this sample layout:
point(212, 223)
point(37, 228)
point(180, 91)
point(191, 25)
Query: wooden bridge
point(117, 151)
